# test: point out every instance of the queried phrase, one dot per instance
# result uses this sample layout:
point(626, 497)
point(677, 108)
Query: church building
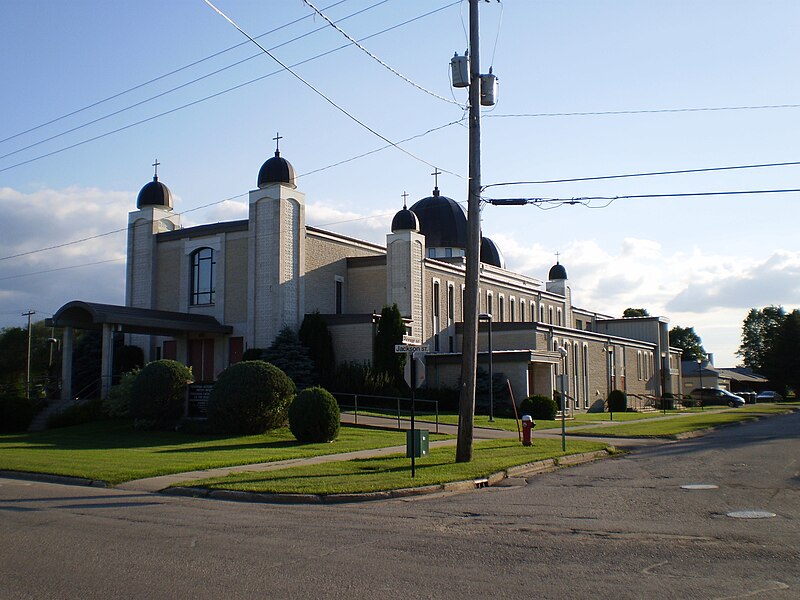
point(205, 294)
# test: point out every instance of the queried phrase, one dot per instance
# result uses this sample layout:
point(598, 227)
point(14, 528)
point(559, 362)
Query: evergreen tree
point(391, 330)
point(291, 357)
point(314, 335)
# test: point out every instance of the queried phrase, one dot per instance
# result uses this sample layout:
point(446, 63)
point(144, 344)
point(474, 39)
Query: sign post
point(410, 350)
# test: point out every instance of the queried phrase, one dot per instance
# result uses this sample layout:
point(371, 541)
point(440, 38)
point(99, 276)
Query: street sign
point(400, 348)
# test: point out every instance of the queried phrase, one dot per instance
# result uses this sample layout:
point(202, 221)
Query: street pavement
point(619, 528)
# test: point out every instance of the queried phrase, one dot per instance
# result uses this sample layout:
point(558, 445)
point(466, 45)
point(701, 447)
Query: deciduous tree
point(688, 341)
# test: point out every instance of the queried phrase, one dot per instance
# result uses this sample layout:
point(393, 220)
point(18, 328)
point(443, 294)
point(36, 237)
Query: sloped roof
point(91, 315)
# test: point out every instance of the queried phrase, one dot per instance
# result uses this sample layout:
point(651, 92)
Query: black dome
point(154, 193)
point(442, 221)
point(405, 220)
point(557, 271)
point(276, 170)
point(490, 254)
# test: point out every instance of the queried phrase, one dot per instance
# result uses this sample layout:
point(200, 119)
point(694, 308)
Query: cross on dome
point(155, 174)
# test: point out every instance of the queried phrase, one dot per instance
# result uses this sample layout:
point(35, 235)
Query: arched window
point(202, 290)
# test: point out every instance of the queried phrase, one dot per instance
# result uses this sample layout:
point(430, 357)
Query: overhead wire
point(185, 84)
point(217, 94)
point(644, 111)
point(170, 73)
point(377, 59)
point(323, 96)
point(644, 174)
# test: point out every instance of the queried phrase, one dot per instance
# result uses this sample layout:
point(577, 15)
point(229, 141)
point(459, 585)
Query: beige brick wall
point(325, 259)
point(352, 342)
point(236, 285)
point(366, 290)
point(168, 276)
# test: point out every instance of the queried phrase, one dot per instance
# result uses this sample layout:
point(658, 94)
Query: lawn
point(668, 427)
point(394, 472)
point(114, 452)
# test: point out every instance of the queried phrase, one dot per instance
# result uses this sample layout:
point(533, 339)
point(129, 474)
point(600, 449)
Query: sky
point(95, 91)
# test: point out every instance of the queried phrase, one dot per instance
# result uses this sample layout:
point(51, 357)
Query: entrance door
point(201, 359)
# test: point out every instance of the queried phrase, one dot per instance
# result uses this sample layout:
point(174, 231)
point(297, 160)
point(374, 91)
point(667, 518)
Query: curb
point(526, 470)
point(60, 479)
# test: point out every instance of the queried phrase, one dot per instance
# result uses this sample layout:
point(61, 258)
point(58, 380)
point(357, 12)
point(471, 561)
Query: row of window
point(546, 314)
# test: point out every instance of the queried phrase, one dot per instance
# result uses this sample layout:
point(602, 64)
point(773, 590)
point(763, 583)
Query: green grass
point(667, 427)
point(115, 452)
point(394, 472)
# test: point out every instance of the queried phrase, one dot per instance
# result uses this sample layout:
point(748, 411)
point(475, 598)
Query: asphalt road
point(618, 528)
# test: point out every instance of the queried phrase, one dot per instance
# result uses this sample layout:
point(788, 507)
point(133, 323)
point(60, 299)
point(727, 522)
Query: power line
point(165, 75)
point(645, 174)
point(585, 199)
point(322, 95)
point(214, 203)
point(644, 111)
point(217, 94)
point(181, 86)
point(378, 60)
point(99, 262)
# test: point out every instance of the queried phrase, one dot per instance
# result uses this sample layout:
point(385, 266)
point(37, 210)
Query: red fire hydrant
point(527, 428)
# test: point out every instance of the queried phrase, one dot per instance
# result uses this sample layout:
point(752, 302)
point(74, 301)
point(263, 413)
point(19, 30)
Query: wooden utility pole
point(469, 349)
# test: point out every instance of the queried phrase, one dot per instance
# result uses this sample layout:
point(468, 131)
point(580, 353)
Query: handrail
point(93, 386)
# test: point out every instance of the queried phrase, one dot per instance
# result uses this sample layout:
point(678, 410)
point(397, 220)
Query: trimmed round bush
point(617, 401)
point(158, 394)
point(16, 413)
point(314, 416)
point(539, 407)
point(250, 397)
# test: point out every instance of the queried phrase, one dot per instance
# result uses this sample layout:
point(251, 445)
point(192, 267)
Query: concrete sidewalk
point(156, 484)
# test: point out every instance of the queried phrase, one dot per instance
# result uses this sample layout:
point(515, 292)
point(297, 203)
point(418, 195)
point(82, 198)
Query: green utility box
point(421, 443)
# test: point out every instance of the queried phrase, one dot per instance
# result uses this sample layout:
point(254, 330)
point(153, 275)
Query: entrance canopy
point(90, 315)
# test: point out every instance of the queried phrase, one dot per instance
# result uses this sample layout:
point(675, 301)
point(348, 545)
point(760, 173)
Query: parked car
point(716, 397)
point(749, 397)
point(769, 396)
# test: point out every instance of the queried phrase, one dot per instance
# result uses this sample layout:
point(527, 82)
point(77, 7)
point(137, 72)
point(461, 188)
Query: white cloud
point(48, 217)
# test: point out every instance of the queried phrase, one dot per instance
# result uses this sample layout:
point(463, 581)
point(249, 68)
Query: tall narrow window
point(511, 305)
point(550, 314)
point(436, 316)
point(489, 307)
point(502, 308)
point(202, 291)
point(339, 295)
point(451, 304)
point(541, 313)
point(522, 311)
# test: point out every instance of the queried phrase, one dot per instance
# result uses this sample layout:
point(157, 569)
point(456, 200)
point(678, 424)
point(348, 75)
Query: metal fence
point(391, 406)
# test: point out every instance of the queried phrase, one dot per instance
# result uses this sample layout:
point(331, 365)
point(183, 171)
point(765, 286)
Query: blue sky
point(701, 261)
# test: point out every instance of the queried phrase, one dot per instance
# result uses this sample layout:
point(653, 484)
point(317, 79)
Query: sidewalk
point(156, 484)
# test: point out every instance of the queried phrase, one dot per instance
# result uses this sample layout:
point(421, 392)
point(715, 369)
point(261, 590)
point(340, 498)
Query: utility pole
point(469, 348)
point(28, 314)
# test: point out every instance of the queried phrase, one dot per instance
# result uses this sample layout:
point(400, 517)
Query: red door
point(201, 359)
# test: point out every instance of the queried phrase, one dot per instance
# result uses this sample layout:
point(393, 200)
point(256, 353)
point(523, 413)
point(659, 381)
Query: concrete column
point(107, 360)
point(66, 363)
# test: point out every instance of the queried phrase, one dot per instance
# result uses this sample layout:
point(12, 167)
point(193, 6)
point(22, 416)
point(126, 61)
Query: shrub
point(291, 357)
point(314, 416)
point(250, 397)
point(357, 378)
point(16, 413)
point(315, 336)
point(158, 394)
point(539, 407)
point(79, 413)
point(117, 404)
point(617, 401)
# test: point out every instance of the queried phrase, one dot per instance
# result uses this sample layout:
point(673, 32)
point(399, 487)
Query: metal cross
point(278, 137)
point(155, 164)
point(405, 196)
point(436, 173)
point(557, 255)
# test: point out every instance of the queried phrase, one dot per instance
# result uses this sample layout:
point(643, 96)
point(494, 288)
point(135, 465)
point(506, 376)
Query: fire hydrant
point(527, 428)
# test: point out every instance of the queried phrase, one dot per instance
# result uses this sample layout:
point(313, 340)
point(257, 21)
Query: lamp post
point(700, 372)
point(488, 317)
point(563, 352)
